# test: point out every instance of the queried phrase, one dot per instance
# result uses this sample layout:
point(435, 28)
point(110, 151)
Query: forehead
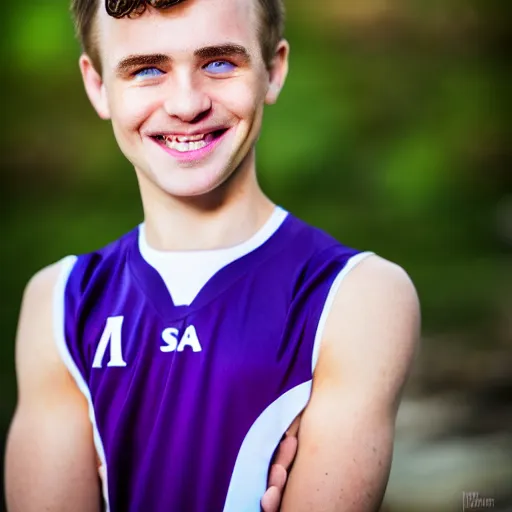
point(179, 30)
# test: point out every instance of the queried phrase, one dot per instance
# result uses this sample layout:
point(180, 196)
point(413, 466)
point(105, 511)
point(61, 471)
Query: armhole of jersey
point(351, 263)
point(59, 332)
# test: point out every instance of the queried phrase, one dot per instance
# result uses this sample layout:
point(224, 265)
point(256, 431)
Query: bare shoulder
point(40, 287)
point(376, 275)
point(372, 331)
point(37, 356)
point(377, 290)
point(37, 303)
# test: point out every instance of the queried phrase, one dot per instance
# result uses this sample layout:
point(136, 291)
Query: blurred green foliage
point(392, 134)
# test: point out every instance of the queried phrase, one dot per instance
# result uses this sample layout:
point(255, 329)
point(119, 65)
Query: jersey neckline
point(271, 225)
point(185, 273)
point(269, 240)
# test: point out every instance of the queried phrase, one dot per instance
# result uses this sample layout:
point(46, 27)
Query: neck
point(225, 217)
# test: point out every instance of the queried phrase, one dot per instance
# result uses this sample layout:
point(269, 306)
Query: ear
point(277, 72)
point(94, 86)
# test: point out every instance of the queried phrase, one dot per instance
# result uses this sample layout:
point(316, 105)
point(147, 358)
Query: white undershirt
point(186, 272)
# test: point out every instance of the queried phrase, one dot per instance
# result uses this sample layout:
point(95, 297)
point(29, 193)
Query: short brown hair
point(84, 12)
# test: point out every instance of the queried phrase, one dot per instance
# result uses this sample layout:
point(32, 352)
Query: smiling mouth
point(189, 143)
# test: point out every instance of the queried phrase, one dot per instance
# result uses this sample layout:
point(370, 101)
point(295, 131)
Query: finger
point(271, 500)
point(286, 452)
point(277, 477)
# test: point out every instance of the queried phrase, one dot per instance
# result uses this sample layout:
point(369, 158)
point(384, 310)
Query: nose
point(187, 101)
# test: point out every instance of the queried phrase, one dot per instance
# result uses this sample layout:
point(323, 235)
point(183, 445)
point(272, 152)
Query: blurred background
point(392, 134)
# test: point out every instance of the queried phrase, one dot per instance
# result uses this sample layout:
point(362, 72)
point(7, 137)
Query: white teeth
point(183, 147)
point(198, 145)
point(189, 138)
point(185, 144)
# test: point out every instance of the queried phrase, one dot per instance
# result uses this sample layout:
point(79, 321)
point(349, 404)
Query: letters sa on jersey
point(111, 337)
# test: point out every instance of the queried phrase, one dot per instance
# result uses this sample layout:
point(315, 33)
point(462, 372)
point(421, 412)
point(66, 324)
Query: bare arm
point(347, 430)
point(50, 456)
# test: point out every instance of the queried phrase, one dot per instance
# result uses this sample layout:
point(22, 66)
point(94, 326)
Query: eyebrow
point(159, 59)
point(223, 50)
point(128, 63)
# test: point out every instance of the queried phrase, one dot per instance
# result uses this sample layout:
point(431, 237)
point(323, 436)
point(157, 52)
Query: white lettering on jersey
point(170, 337)
point(189, 339)
point(111, 335)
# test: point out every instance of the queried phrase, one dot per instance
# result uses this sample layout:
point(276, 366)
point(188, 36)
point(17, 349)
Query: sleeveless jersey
point(189, 403)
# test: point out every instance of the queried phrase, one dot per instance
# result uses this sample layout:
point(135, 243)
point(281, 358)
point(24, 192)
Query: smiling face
point(185, 89)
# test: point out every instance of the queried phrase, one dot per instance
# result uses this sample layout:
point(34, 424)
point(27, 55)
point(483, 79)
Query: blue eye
point(219, 67)
point(148, 73)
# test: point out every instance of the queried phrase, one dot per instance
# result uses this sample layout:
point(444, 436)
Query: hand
point(285, 455)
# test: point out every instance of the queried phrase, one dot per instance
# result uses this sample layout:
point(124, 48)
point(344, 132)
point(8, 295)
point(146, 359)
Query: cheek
point(242, 99)
point(130, 108)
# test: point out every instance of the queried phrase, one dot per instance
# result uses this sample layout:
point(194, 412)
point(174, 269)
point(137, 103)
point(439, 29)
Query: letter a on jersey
point(111, 336)
point(190, 339)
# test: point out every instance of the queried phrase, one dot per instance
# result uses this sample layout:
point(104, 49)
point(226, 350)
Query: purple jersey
point(188, 403)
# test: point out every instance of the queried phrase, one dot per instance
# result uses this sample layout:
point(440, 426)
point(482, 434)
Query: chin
point(191, 182)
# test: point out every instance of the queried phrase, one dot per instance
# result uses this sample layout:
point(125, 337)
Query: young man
point(179, 355)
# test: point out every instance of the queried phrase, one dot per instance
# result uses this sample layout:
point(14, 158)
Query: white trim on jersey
point(249, 478)
point(60, 340)
point(351, 263)
point(185, 273)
